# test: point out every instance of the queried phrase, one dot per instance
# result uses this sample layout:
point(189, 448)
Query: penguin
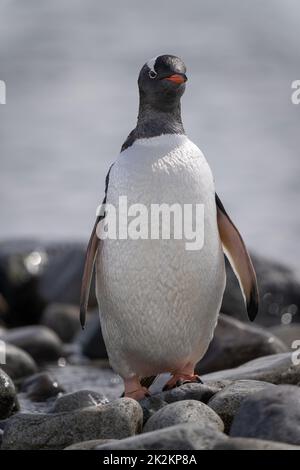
point(159, 302)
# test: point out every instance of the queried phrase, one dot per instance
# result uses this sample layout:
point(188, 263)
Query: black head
point(162, 81)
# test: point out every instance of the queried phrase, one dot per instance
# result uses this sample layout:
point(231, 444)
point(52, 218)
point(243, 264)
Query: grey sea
point(70, 69)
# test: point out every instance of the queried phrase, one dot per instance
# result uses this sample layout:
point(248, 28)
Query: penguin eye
point(152, 74)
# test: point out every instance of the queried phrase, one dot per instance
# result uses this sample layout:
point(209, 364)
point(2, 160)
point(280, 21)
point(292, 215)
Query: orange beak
point(176, 78)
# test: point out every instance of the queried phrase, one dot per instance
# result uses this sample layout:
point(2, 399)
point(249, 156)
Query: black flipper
point(239, 258)
point(91, 254)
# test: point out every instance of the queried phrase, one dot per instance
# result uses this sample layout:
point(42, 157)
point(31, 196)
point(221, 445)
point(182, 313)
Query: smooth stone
point(41, 386)
point(276, 369)
point(272, 414)
point(63, 319)
point(117, 420)
point(189, 436)
point(243, 443)
point(8, 397)
point(235, 343)
point(18, 364)
point(226, 402)
point(193, 391)
point(279, 289)
point(78, 400)
point(37, 340)
point(288, 334)
point(180, 412)
point(89, 445)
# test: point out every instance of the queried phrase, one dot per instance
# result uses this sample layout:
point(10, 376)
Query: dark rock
point(41, 386)
point(91, 339)
point(180, 412)
point(235, 343)
point(89, 445)
point(150, 406)
point(61, 280)
point(242, 443)
point(272, 414)
point(63, 319)
point(77, 400)
point(180, 437)
point(8, 397)
point(21, 264)
point(38, 341)
point(227, 402)
point(116, 420)
point(276, 369)
point(34, 274)
point(193, 391)
point(18, 364)
point(279, 292)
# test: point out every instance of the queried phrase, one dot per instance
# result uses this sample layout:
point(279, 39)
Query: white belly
point(158, 301)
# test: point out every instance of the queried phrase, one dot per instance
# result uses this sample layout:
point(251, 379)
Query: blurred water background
point(71, 68)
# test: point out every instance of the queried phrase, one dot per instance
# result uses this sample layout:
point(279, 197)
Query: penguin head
point(162, 81)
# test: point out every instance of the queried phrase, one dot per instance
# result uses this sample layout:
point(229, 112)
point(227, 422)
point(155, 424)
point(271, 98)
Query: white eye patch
point(151, 64)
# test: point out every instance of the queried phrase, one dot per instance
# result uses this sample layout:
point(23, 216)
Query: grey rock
point(243, 443)
point(287, 333)
point(227, 402)
point(77, 400)
point(41, 386)
point(187, 411)
point(235, 343)
point(279, 291)
point(272, 414)
point(89, 445)
point(18, 364)
point(189, 436)
point(63, 319)
point(38, 341)
point(8, 396)
point(116, 420)
point(193, 391)
point(277, 369)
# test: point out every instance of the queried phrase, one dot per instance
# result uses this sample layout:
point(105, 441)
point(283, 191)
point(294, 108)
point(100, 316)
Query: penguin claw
point(181, 379)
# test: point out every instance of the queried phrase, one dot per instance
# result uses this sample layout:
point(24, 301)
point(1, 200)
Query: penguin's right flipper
point(90, 259)
point(239, 258)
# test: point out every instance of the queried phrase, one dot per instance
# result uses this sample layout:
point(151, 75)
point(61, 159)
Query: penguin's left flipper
point(90, 259)
point(239, 258)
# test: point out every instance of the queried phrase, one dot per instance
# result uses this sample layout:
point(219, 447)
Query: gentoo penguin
point(158, 301)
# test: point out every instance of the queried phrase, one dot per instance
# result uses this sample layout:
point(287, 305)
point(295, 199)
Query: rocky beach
point(57, 390)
